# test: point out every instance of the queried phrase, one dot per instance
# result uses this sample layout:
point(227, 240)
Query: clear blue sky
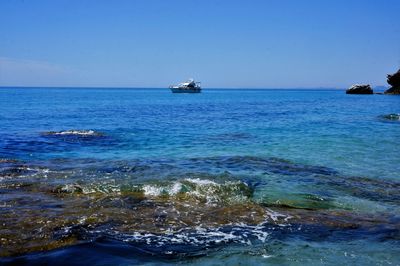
point(153, 43)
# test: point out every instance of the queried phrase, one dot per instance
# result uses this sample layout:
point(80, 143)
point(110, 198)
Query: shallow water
point(130, 176)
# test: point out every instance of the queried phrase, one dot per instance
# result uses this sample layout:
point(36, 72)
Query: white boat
point(189, 86)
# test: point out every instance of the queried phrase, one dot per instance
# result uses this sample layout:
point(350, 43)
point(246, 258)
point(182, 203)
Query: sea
point(119, 176)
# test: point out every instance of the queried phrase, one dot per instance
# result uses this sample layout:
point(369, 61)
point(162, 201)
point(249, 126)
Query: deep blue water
point(144, 176)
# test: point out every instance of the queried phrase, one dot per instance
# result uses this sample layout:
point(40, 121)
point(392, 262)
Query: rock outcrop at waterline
point(391, 117)
point(360, 89)
point(394, 81)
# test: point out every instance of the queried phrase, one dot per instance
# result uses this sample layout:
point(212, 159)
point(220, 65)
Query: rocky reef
point(394, 81)
point(360, 89)
point(172, 209)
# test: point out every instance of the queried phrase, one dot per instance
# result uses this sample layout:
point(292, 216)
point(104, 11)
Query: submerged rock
point(7, 160)
point(83, 133)
point(360, 89)
point(392, 117)
point(394, 81)
point(298, 201)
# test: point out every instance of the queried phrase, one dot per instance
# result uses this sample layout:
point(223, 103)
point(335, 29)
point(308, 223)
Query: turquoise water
point(144, 176)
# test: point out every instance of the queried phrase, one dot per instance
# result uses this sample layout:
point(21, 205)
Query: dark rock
point(360, 89)
point(394, 117)
point(393, 90)
point(394, 81)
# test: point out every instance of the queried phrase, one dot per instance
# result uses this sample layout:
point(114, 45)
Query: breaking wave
point(203, 190)
point(74, 133)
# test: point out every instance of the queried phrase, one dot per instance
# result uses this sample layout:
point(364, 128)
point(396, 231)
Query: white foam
point(157, 190)
point(243, 234)
point(266, 256)
point(176, 188)
point(276, 216)
point(76, 132)
point(151, 190)
point(201, 182)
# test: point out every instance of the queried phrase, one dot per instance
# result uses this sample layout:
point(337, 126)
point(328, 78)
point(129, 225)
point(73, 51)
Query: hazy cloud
point(23, 72)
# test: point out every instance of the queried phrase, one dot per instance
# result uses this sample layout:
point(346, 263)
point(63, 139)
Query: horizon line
point(207, 88)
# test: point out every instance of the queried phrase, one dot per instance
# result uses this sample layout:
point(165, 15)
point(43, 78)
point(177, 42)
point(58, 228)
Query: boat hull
point(186, 90)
